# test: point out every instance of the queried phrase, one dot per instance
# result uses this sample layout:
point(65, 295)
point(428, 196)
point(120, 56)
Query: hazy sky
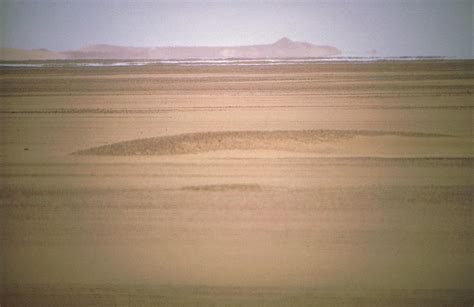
point(410, 27)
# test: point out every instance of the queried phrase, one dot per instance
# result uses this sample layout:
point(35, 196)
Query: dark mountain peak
point(284, 41)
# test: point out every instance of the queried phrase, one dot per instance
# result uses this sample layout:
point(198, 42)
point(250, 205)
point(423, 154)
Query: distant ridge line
point(283, 48)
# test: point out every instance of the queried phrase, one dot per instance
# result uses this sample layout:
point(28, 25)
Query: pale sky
point(393, 28)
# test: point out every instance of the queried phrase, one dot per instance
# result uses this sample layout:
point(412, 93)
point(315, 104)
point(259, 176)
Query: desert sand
point(325, 184)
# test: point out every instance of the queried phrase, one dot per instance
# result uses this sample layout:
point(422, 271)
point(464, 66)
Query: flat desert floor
point(324, 184)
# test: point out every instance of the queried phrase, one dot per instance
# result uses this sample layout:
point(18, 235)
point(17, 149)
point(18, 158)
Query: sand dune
point(312, 141)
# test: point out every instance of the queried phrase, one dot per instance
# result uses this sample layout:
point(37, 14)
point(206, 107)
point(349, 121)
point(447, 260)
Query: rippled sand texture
point(330, 184)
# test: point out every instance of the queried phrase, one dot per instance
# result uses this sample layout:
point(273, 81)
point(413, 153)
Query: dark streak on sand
point(227, 108)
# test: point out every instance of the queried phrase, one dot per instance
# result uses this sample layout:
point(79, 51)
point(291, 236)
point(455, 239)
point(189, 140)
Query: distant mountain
point(283, 48)
point(13, 54)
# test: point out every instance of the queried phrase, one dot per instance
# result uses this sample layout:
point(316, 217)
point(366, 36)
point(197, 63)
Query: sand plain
point(328, 184)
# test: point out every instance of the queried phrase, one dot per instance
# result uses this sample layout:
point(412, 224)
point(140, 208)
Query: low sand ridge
point(312, 141)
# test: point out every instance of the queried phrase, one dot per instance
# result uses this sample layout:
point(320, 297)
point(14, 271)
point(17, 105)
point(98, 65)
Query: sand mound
point(293, 141)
